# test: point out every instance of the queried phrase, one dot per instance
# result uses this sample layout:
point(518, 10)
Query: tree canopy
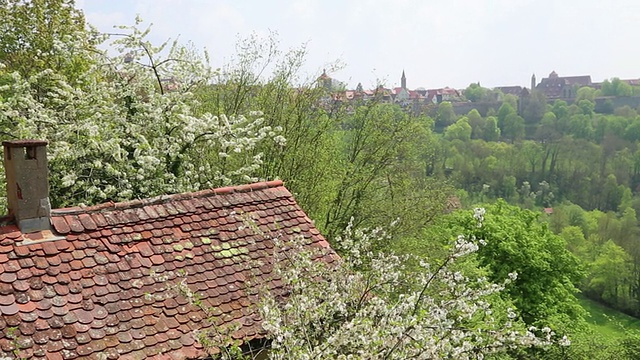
point(46, 34)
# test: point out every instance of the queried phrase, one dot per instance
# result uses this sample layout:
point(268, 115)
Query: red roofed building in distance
point(401, 95)
point(562, 87)
point(510, 90)
point(76, 283)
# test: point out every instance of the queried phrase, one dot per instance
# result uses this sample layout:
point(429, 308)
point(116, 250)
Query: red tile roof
point(632, 82)
point(583, 80)
point(91, 295)
point(562, 86)
point(513, 90)
point(413, 94)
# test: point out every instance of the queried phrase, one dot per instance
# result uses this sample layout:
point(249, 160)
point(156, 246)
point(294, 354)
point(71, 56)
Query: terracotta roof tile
point(91, 294)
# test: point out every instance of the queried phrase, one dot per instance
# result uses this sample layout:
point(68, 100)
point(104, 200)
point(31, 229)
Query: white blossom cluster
point(366, 306)
point(132, 128)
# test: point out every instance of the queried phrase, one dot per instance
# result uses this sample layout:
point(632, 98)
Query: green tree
point(607, 88)
point(547, 271)
point(609, 273)
point(461, 130)
point(511, 99)
point(548, 131)
point(632, 132)
point(610, 194)
point(587, 107)
point(534, 107)
point(607, 107)
point(581, 126)
point(312, 132)
point(445, 115)
point(576, 242)
point(477, 123)
point(381, 164)
point(560, 109)
point(586, 93)
point(363, 162)
point(46, 34)
point(531, 152)
point(576, 217)
point(513, 127)
point(505, 110)
point(626, 111)
point(616, 87)
point(474, 92)
point(491, 131)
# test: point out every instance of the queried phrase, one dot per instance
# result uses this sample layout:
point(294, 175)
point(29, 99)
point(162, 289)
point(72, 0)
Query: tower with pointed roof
point(403, 81)
point(325, 80)
point(533, 81)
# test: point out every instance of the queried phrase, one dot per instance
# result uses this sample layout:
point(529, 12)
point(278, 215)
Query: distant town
point(553, 87)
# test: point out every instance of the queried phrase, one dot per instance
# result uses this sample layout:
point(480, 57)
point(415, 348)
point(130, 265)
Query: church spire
point(533, 81)
point(403, 81)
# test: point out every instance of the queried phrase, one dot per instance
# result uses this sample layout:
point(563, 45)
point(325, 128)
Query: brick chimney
point(25, 163)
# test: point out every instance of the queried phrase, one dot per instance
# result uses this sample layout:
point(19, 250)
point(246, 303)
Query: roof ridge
point(138, 203)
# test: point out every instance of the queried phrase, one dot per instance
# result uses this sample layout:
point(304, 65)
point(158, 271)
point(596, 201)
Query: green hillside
point(608, 322)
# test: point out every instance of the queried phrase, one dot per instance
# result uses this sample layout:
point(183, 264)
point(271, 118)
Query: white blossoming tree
point(132, 128)
point(365, 305)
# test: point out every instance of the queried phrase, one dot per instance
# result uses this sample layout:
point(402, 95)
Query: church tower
point(533, 82)
point(403, 81)
point(325, 80)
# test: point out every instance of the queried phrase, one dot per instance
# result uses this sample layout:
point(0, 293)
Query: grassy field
point(607, 322)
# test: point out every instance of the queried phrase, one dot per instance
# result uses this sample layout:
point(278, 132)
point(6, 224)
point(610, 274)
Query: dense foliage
point(590, 159)
point(156, 119)
point(572, 162)
point(517, 241)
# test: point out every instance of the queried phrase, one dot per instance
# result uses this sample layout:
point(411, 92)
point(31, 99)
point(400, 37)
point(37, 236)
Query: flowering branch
point(366, 305)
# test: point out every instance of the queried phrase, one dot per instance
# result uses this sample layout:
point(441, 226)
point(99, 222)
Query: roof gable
point(583, 80)
point(92, 295)
point(514, 90)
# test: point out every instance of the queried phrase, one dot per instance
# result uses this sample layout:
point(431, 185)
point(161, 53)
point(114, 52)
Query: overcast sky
point(437, 43)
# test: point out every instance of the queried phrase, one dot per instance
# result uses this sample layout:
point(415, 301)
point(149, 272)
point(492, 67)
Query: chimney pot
point(25, 163)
